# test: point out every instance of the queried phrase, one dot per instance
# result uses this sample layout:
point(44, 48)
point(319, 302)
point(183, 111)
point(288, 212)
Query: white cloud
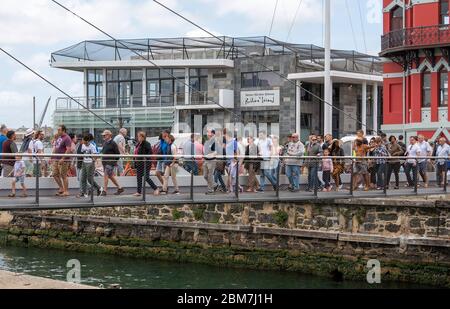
point(259, 13)
point(16, 104)
point(42, 22)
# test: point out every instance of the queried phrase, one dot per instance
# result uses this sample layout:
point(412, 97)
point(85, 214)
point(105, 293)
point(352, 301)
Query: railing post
point(93, 181)
point(237, 188)
point(144, 181)
point(278, 178)
point(316, 177)
point(416, 176)
point(351, 178)
point(37, 172)
point(445, 176)
point(192, 182)
point(386, 181)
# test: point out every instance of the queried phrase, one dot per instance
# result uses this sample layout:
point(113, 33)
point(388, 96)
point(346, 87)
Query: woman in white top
point(412, 152)
point(88, 168)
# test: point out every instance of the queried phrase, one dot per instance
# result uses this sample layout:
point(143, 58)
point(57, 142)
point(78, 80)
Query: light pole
point(328, 89)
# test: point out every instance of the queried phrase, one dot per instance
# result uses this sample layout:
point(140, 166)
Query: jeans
point(394, 167)
point(313, 177)
point(269, 175)
point(218, 179)
point(381, 169)
point(87, 176)
point(141, 175)
point(293, 174)
point(191, 167)
point(326, 177)
point(411, 167)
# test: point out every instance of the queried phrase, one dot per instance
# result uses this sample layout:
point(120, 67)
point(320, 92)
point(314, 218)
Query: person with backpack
point(110, 163)
point(87, 167)
point(170, 166)
point(143, 165)
point(159, 149)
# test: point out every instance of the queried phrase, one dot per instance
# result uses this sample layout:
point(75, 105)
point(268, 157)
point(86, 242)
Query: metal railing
point(96, 103)
point(416, 37)
point(233, 179)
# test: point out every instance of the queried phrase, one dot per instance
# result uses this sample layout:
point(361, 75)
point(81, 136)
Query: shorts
point(160, 167)
point(60, 169)
point(20, 179)
point(109, 170)
point(422, 166)
point(361, 168)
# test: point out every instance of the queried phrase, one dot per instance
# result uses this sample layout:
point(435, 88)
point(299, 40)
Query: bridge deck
point(52, 202)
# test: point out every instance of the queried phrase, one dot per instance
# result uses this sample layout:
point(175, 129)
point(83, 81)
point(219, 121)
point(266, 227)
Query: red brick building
point(416, 45)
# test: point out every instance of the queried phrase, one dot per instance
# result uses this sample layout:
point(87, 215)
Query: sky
point(31, 30)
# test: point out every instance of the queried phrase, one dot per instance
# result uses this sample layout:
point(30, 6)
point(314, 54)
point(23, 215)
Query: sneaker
point(210, 193)
point(396, 188)
point(103, 193)
point(163, 192)
point(119, 191)
point(260, 191)
point(99, 191)
point(176, 192)
point(341, 187)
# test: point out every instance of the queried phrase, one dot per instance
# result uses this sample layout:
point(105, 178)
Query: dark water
point(107, 270)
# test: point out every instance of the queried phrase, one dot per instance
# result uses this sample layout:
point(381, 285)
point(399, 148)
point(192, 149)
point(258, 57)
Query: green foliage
point(199, 214)
point(176, 214)
point(281, 218)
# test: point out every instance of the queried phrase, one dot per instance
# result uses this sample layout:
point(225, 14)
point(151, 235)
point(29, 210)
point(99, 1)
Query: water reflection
point(107, 270)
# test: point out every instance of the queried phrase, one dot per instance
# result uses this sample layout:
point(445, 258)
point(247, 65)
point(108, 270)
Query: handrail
point(416, 36)
point(218, 157)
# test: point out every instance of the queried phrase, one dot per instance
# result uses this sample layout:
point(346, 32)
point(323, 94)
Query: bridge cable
point(55, 86)
point(362, 25)
point(266, 67)
point(351, 24)
point(273, 18)
point(294, 20)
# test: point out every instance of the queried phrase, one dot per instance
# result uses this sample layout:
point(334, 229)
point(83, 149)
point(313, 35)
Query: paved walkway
point(9, 280)
point(127, 199)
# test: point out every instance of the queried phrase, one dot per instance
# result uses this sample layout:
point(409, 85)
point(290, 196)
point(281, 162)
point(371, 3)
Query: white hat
point(29, 132)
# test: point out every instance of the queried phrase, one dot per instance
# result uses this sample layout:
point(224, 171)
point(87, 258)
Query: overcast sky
point(33, 29)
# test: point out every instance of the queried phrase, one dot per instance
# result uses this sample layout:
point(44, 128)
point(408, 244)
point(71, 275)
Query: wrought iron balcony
point(412, 38)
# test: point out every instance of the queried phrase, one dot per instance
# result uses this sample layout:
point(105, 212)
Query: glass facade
point(165, 87)
point(260, 80)
point(426, 89)
point(124, 88)
point(443, 92)
point(95, 88)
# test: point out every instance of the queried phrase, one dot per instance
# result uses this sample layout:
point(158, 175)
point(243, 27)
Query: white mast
point(328, 89)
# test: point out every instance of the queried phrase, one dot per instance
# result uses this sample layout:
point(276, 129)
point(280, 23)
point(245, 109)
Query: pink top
point(327, 165)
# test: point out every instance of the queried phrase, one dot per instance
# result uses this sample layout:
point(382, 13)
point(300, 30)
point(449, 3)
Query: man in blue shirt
point(3, 138)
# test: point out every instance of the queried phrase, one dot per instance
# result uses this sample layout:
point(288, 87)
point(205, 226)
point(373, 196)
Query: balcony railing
point(77, 103)
point(415, 37)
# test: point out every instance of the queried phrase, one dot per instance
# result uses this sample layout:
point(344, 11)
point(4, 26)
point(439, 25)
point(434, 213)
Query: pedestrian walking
point(110, 148)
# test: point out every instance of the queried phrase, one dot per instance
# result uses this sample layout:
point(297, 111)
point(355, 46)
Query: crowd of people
point(221, 159)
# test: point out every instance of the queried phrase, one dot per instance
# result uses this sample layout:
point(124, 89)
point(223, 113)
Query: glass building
point(185, 84)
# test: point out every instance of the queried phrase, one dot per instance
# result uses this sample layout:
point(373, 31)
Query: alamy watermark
point(74, 273)
point(374, 274)
point(374, 11)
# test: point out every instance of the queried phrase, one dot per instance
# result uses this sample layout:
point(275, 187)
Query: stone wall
point(410, 238)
